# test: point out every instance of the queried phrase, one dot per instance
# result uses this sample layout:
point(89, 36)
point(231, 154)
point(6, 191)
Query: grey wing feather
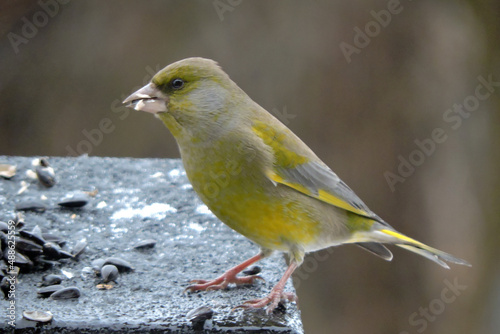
point(315, 176)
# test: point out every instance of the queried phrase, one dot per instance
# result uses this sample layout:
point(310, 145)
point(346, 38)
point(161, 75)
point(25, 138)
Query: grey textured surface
point(138, 199)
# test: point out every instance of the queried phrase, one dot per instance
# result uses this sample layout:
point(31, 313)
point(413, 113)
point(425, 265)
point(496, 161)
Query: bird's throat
point(171, 123)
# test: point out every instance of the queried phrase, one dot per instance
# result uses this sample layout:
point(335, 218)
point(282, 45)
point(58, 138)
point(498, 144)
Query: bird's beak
point(149, 98)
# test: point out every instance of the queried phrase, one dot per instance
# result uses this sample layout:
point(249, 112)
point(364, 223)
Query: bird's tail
point(417, 247)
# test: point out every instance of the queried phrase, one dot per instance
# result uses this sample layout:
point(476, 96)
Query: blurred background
point(401, 99)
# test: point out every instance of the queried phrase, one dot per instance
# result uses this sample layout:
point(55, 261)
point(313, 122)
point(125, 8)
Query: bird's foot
point(221, 282)
point(228, 277)
point(271, 301)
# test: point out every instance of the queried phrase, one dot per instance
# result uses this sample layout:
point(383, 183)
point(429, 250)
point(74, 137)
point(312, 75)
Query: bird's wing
point(297, 167)
point(317, 180)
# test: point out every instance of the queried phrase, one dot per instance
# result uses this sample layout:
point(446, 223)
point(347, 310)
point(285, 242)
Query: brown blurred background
point(64, 69)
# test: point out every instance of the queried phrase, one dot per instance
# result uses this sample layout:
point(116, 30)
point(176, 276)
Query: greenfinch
point(259, 178)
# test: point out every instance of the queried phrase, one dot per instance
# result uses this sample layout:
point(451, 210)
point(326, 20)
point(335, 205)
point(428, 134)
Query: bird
point(260, 179)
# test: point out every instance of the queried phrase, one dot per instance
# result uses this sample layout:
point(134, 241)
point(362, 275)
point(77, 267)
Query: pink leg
point(276, 295)
point(229, 276)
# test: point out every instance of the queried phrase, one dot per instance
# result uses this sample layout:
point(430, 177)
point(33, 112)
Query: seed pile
point(33, 248)
point(36, 249)
point(26, 248)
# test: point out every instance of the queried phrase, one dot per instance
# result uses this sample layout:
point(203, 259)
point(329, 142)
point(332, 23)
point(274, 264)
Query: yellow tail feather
point(428, 252)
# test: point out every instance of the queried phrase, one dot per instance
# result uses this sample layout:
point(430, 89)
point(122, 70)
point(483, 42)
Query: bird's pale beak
point(149, 98)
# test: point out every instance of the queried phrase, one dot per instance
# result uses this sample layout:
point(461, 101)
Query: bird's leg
point(229, 276)
point(276, 295)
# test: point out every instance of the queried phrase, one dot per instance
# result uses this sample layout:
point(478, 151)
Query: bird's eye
point(177, 83)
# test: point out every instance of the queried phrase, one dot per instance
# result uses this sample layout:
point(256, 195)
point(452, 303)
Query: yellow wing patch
point(329, 198)
point(278, 179)
point(321, 195)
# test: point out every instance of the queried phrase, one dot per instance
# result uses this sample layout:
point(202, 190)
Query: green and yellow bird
point(271, 187)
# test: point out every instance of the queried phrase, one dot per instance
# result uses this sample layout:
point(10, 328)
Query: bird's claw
point(272, 301)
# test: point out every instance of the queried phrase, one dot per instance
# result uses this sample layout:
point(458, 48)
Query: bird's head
point(194, 94)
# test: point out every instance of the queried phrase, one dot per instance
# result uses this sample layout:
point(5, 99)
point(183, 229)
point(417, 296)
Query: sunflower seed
point(104, 286)
point(109, 273)
point(122, 265)
point(45, 173)
point(39, 316)
point(48, 290)
point(74, 200)
point(51, 280)
point(34, 235)
point(79, 248)
point(52, 251)
point(145, 244)
point(97, 265)
point(66, 293)
point(28, 247)
point(252, 271)
point(31, 205)
point(199, 315)
point(7, 171)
